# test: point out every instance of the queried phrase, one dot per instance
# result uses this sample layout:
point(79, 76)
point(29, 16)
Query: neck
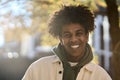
point(72, 58)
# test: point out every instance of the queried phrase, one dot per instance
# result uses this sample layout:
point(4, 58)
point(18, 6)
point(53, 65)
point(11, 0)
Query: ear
point(60, 39)
point(87, 36)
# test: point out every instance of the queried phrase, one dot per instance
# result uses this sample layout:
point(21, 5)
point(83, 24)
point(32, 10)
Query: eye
point(79, 33)
point(66, 35)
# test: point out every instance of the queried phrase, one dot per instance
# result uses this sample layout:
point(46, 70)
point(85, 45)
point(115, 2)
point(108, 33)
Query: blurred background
point(24, 35)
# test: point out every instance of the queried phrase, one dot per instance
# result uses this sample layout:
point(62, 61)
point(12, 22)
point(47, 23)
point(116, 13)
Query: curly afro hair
point(71, 14)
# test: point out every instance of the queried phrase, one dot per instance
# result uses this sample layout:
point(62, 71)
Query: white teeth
point(75, 46)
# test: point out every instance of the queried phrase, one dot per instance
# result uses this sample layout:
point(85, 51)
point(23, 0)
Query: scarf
point(70, 73)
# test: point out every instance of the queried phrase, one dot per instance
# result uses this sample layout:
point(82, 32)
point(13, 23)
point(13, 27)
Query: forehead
point(72, 27)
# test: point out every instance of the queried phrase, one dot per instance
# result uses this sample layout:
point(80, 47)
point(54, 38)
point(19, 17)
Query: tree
point(113, 16)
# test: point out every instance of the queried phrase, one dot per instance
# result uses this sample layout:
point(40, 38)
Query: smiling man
point(73, 55)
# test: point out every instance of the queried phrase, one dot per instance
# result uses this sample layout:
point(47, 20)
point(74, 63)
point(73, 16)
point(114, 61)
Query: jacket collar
point(55, 59)
point(90, 67)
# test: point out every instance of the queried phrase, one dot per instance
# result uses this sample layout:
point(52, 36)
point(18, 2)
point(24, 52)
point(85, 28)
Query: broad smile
point(74, 46)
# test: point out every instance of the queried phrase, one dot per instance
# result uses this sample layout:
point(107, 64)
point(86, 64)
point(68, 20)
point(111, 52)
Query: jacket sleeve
point(107, 76)
point(28, 74)
point(103, 74)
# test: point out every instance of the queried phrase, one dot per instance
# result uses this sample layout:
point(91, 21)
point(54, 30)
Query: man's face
point(74, 39)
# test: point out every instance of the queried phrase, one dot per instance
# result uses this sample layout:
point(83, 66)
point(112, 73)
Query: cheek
point(64, 41)
point(84, 39)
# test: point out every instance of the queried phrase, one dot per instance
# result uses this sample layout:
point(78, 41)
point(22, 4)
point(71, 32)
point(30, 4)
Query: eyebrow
point(66, 32)
point(80, 30)
point(75, 31)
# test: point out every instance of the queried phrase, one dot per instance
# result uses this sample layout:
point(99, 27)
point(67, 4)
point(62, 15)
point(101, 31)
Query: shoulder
point(98, 71)
point(94, 67)
point(45, 61)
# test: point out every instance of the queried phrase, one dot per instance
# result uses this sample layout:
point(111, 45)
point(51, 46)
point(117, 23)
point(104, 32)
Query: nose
point(73, 39)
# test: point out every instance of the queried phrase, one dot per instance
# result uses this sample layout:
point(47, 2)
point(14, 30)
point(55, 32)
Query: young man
point(73, 55)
